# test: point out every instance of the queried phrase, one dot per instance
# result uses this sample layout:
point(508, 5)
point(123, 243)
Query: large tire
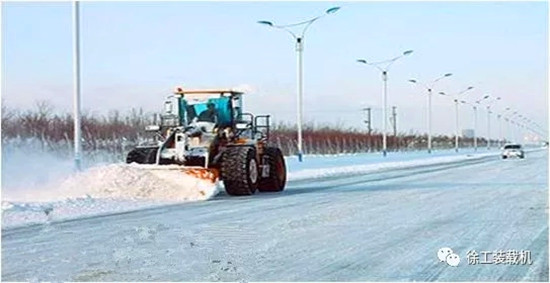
point(142, 155)
point(239, 171)
point(276, 181)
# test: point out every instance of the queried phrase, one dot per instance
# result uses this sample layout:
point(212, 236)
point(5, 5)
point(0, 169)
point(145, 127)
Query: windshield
point(214, 110)
point(512, 146)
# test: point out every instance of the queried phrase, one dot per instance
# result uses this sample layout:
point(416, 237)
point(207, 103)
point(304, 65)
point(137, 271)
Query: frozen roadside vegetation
point(114, 188)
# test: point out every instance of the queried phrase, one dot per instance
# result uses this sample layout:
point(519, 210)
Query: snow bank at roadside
point(353, 170)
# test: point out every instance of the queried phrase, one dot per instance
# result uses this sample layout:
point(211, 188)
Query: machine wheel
point(239, 171)
point(276, 180)
point(142, 155)
point(504, 157)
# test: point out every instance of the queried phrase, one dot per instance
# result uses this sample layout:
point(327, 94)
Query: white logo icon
point(453, 260)
point(447, 255)
point(443, 253)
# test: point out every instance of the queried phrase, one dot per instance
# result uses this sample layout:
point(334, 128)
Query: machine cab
point(220, 107)
point(210, 109)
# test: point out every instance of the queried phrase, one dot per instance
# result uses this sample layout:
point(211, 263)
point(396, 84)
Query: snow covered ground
point(115, 188)
point(330, 224)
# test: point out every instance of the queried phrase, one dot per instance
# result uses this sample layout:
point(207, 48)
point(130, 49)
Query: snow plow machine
point(204, 133)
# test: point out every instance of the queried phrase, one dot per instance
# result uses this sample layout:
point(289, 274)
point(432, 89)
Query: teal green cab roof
point(180, 90)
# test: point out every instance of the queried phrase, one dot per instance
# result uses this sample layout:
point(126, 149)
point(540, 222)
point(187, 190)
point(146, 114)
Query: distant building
point(468, 133)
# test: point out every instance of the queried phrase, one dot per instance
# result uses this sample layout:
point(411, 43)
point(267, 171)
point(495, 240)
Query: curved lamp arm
point(440, 78)
point(390, 61)
point(307, 23)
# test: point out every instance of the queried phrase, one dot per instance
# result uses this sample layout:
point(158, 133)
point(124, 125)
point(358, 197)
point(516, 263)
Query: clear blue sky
point(134, 53)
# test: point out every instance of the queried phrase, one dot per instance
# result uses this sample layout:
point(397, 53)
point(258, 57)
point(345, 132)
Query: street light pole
point(508, 138)
point(478, 103)
point(457, 129)
point(489, 122)
point(475, 128)
point(506, 133)
point(384, 114)
point(513, 135)
point(76, 87)
point(384, 70)
point(429, 88)
point(299, 54)
point(457, 126)
point(499, 130)
point(474, 107)
point(520, 132)
point(429, 120)
point(488, 127)
point(299, 110)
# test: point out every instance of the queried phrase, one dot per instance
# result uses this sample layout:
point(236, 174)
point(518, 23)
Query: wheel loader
point(206, 133)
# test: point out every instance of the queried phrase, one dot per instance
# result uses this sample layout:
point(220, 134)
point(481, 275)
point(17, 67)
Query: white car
point(512, 150)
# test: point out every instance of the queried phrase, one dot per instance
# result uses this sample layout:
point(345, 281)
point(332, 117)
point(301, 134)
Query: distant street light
point(455, 98)
point(474, 107)
point(507, 135)
point(76, 86)
point(384, 69)
point(503, 135)
point(429, 87)
point(499, 130)
point(299, 50)
point(520, 133)
point(513, 131)
point(478, 102)
point(489, 121)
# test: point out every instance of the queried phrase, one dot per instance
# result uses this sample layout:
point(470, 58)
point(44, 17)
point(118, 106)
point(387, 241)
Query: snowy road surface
point(380, 226)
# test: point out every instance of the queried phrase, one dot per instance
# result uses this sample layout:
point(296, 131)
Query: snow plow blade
point(206, 174)
point(211, 175)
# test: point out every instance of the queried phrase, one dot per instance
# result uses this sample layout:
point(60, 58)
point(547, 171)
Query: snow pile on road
point(105, 189)
point(121, 181)
point(130, 182)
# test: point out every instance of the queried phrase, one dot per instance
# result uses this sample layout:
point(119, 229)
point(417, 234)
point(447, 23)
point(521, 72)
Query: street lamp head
point(362, 61)
point(413, 81)
point(485, 97)
point(408, 52)
point(442, 93)
point(268, 23)
point(448, 74)
point(463, 102)
point(470, 87)
point(332, 10)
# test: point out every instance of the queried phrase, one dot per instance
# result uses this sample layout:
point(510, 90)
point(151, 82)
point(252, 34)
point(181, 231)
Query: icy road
point(378, 226)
